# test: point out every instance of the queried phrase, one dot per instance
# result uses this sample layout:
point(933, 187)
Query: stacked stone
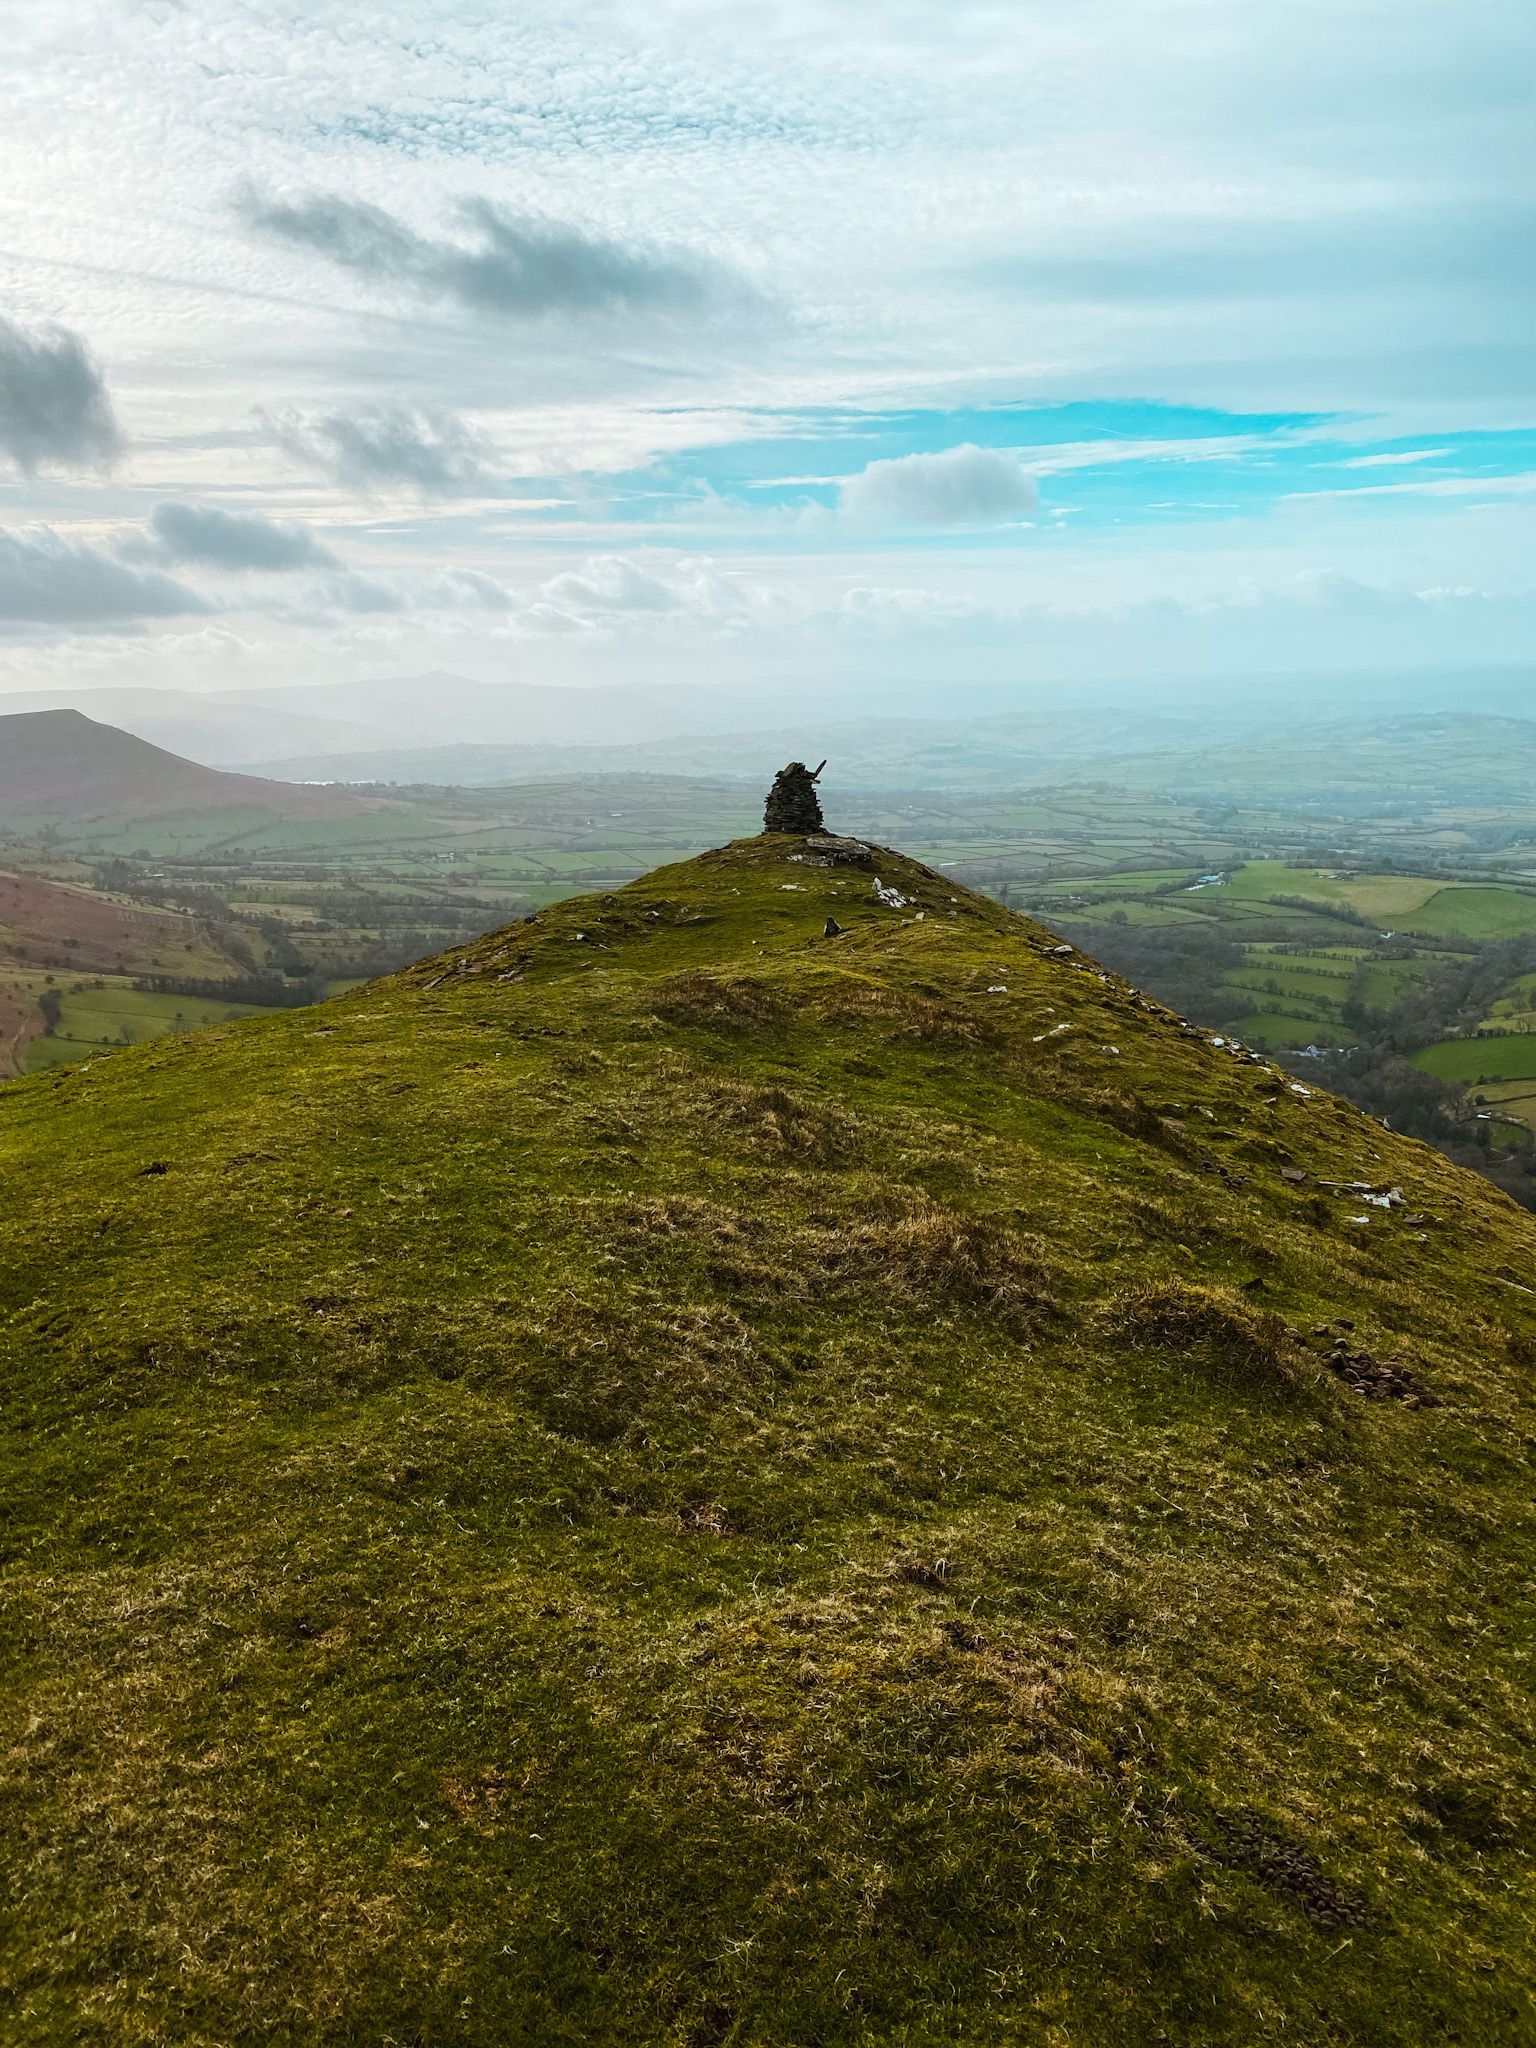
point(793, 805)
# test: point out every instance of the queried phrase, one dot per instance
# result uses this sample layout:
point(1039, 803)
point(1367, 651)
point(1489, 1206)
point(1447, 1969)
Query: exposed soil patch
point(1290, 1873)
point(19, 1023)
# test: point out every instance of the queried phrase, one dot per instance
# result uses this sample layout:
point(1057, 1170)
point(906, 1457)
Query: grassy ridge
point(669, 1478)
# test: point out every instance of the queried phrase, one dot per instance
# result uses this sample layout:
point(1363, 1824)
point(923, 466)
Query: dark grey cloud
point(48, 581)
point(215, 539)
point(512, 266)
point(54, 409)
point(380, 447)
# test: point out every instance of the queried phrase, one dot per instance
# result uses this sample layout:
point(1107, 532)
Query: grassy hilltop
point(669, 1478)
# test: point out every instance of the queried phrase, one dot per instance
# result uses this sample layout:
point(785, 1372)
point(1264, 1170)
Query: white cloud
point(611, 583)
point(964, 486)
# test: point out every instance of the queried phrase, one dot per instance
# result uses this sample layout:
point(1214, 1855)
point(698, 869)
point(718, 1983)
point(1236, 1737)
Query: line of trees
point(263, 991)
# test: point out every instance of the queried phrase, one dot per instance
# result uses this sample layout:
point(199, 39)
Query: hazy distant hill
point(310, 723)
point(1218, 755)
point(235, 728)
point(871, 753)
point(220, 729)
point(59, 767)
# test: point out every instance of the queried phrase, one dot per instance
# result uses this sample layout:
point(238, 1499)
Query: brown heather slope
point(52, 925)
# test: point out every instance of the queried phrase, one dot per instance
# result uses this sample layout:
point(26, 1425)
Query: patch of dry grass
point(1213, 1328)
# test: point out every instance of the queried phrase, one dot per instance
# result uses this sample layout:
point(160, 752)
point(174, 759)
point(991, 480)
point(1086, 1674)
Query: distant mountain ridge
point(1444, 751)
point(309, 722)
point(61, 765)
point(235, 728)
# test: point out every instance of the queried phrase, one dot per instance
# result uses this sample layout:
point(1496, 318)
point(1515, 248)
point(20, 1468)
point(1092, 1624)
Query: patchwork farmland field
point(103, 1015)
point(1291, 930)
point(1474, 1060)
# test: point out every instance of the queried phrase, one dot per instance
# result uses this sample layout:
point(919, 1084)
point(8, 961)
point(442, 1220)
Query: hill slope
point(59, 766)
point(673, 1478)
point(49, 928)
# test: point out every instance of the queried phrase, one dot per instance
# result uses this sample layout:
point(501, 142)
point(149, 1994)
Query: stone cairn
point(793, 805)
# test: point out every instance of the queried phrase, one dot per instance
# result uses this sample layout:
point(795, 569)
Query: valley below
point(1384, 942)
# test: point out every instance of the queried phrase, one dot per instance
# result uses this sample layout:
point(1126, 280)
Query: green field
point(360, 895)
point(1384, 983)
point(1481, 1059)
point(1377, 897)
point(117, 1014)
point(1403, 902)
point(1281, 1030)
point(1475, 913)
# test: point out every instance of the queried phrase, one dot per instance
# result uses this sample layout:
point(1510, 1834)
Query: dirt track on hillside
point(19, 1024)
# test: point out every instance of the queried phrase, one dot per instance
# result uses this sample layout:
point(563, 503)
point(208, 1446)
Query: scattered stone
point(1290, 1872)
point(793, 805)
point(832, 929)
point(155, 1166)
point(1376, 1379)
point(1293, 1174)
point(826, 851)
point(891, 898)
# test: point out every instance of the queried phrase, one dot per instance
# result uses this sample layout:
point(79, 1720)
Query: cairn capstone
point(793, 805)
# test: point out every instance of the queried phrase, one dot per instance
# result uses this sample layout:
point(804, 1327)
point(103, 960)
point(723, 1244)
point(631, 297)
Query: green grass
point(1511, 1098)
point(1518, 999)
point(1280, 1029)
point(665, 1478)
point(1384, 983)
point(1406, 902)
point(95, 1018)
point(1511, 1058)
point(1466, 911)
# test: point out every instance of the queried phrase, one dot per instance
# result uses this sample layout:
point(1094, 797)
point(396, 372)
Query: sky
point(828, 342)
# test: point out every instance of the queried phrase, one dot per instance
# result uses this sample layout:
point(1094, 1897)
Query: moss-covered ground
point(670, 1478)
